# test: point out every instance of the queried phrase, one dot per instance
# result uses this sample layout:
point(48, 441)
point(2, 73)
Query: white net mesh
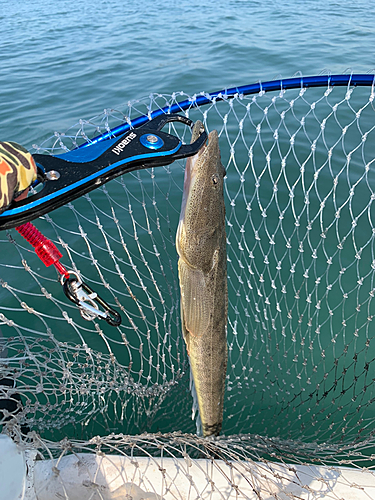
point(299, 198)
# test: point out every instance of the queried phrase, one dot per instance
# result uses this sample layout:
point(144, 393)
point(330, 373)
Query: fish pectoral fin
point(196, 300)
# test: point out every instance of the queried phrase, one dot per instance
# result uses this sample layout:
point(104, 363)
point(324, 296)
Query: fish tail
point(195, 406)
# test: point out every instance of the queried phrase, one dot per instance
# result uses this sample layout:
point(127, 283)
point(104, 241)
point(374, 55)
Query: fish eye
point(215, 179)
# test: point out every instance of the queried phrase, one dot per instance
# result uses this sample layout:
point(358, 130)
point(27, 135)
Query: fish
point(202, 270)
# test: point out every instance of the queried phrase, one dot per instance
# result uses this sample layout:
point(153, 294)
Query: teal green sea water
point(61, 61)
point(70, 60)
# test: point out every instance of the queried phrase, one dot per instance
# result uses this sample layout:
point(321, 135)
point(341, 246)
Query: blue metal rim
point(349, 80)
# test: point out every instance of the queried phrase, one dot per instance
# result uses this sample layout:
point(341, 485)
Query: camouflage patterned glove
point(17, 172)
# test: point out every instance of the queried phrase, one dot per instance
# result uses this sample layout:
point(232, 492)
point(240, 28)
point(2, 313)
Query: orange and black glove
point(17, 172)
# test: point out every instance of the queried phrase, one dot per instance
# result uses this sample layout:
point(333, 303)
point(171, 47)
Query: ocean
point(65, 61)
point(62, 61)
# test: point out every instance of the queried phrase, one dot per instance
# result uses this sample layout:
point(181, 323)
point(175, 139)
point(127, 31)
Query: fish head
point(202, 218)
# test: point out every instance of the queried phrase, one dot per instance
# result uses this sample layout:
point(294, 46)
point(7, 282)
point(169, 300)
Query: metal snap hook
point(91, 306)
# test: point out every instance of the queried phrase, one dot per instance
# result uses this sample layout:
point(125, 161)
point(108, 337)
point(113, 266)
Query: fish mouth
point(189, 179)
point(190, 175)
point(190, 170)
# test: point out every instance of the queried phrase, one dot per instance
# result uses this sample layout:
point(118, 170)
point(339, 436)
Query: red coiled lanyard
point(91, 306)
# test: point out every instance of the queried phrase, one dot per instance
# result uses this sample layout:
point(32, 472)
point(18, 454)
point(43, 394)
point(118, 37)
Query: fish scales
point(202, 266)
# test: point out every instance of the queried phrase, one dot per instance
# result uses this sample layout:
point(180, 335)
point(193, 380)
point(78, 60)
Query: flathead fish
point(202, 268)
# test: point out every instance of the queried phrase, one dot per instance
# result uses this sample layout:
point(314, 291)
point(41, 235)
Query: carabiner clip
point(89, 301)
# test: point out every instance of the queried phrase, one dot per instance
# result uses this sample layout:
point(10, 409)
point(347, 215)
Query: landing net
point(300, 228)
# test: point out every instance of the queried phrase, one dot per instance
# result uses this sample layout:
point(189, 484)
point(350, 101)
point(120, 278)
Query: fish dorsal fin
point(196, 300)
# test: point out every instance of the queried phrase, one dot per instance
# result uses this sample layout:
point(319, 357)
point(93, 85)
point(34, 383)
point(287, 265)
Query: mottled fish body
point(202, 267)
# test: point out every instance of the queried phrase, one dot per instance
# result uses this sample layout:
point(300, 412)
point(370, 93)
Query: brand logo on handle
point(122, 145)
